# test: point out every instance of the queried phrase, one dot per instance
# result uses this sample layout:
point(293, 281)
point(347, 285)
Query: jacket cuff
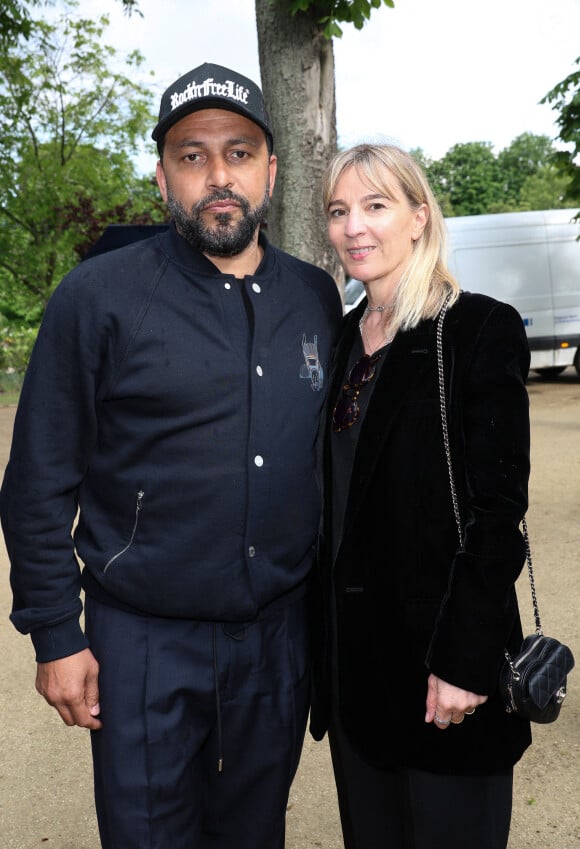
point(473, 625)
point(58, 641)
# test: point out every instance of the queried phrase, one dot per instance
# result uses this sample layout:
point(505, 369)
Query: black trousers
point(412, 809)
point(177, 697)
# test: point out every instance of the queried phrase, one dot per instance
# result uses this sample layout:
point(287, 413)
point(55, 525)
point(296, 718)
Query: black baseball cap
point(212, 87)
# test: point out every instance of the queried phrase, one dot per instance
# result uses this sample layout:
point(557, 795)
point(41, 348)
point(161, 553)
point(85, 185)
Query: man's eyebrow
point(248, 140)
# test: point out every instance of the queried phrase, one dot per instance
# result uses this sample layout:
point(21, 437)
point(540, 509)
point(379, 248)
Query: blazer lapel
point(410, 356)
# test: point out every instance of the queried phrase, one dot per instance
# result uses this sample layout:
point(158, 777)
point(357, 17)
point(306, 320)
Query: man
point(173, 398)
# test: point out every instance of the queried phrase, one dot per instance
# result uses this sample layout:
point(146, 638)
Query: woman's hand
point(447, 704)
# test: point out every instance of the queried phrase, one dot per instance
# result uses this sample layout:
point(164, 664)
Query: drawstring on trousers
point(234, 632)
point(217, 701)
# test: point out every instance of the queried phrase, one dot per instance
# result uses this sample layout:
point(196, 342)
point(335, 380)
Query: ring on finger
point(457, 721)
point(470, 712)
point(442, 721)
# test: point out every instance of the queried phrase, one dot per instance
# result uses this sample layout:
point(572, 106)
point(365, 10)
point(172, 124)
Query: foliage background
point(73, 121)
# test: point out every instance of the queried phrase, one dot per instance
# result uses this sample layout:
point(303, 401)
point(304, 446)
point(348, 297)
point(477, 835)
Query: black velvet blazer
point(407, 601)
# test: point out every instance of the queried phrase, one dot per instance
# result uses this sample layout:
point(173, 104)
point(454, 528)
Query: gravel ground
point(45, 773)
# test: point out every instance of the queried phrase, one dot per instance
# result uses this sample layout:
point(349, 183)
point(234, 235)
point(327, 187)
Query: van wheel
point(577, 362)
point(552, 372)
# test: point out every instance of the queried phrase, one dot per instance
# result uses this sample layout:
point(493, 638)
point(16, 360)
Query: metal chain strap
point(443, 407)
point(531, 576)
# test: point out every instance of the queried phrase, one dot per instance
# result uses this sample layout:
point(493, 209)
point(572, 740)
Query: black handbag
point(532, 683)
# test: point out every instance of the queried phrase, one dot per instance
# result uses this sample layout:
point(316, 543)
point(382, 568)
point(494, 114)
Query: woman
point(422, 747)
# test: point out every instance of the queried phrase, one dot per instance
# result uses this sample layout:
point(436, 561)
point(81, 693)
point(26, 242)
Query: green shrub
point(15, 348)
point(10, 386)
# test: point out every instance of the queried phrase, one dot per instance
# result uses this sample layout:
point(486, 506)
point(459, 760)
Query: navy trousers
point(413, 809)
point(203, 726)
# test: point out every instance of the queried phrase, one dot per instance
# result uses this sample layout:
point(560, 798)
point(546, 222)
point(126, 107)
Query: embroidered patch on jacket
point(311, 368)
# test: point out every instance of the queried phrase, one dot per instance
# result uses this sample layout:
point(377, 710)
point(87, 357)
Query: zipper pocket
point(521, 660)
point(140, 495)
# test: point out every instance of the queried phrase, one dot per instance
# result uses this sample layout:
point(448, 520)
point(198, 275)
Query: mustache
point(220, 194)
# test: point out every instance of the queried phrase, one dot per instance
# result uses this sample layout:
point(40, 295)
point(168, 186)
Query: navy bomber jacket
point(176, 409)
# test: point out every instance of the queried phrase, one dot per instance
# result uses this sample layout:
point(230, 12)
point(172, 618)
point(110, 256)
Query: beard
point(226, 238)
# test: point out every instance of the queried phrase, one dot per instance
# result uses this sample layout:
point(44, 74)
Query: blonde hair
point(427, 281)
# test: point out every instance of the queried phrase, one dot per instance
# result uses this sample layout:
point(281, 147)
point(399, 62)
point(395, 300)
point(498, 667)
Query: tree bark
point(297, 69)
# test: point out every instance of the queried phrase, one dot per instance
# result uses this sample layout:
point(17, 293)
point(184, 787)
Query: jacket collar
point(180, 252)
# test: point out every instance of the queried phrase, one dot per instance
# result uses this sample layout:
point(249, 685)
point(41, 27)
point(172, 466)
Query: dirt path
point(45, 783)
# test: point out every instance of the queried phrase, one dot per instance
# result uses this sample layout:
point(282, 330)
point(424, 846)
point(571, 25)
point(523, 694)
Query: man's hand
point(71, 685)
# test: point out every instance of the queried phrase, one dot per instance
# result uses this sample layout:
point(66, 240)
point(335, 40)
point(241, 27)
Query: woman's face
point(373, 233)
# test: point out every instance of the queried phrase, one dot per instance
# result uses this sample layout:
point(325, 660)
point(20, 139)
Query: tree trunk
point(297, 69)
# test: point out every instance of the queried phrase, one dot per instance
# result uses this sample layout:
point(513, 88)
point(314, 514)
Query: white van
point(530, 260)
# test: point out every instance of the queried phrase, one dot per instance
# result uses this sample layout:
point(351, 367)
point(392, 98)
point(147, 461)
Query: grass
point(10, 384)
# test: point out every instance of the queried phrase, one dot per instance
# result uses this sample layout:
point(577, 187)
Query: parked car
point(354, 292)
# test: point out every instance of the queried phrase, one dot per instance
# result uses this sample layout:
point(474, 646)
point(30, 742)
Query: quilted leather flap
point(549, 673)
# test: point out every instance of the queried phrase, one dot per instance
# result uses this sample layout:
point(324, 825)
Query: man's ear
point(272, 169)
point(161, 181)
